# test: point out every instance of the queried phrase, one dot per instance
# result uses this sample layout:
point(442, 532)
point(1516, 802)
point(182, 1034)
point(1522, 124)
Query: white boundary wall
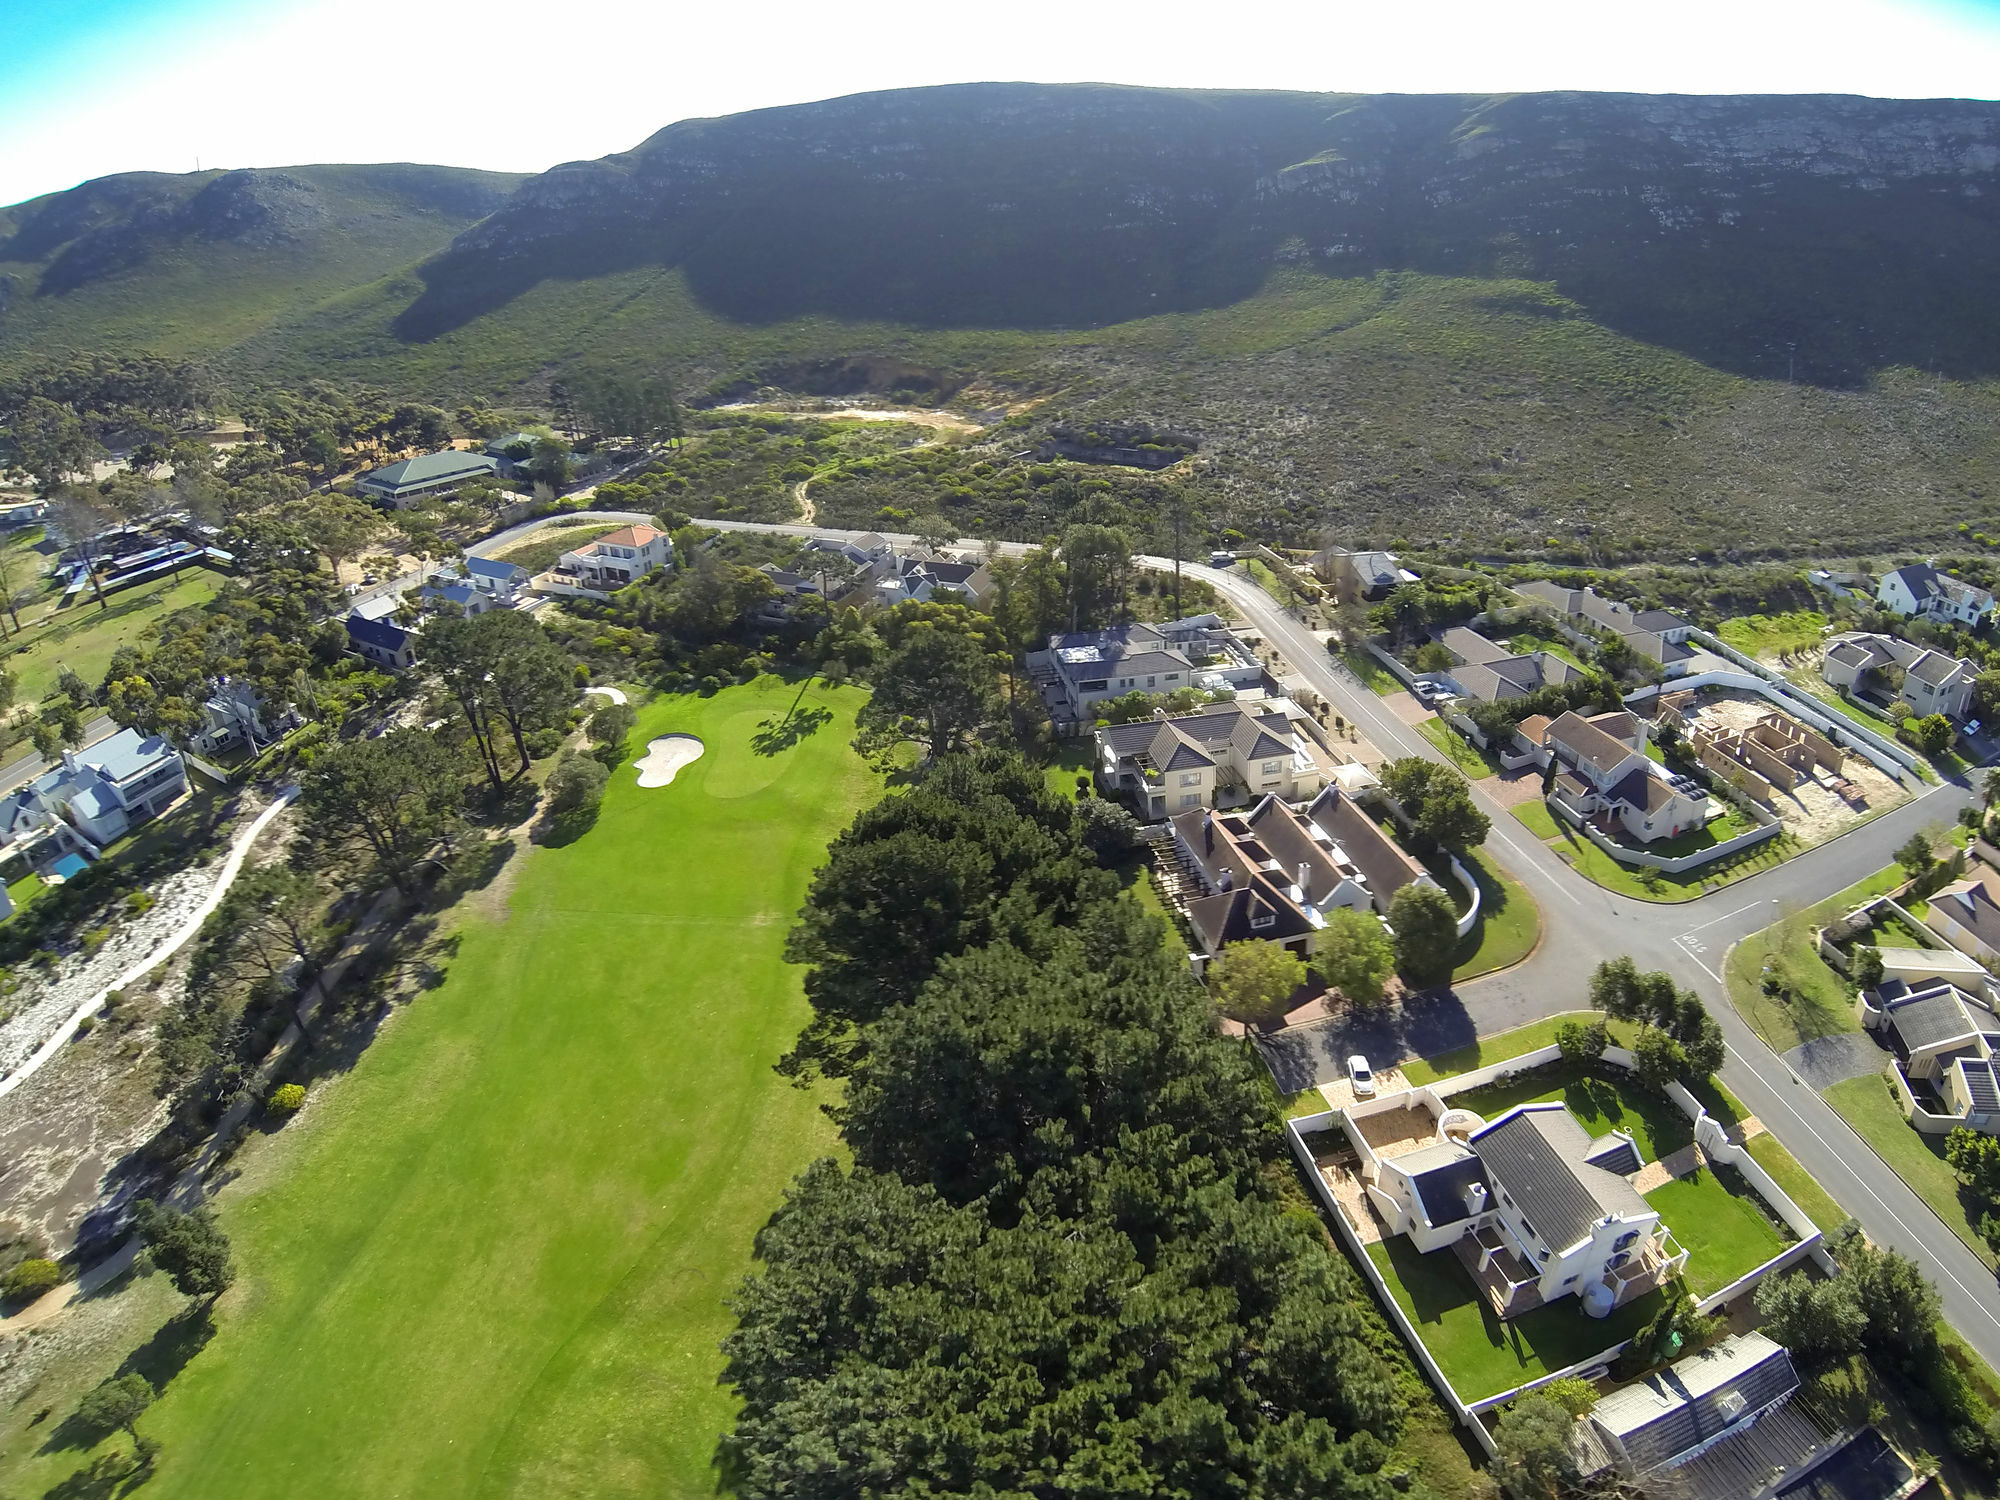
point(1709, 1134)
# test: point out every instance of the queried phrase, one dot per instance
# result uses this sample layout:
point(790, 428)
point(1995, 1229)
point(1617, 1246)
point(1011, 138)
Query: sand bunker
point(666, 755)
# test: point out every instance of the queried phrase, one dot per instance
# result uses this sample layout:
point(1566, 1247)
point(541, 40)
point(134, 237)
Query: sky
point(90, 87)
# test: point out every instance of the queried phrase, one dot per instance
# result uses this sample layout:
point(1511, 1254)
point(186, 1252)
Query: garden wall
point(1768, 828)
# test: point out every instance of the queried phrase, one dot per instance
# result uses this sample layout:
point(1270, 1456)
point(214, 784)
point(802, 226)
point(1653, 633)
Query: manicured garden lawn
point(1799, 1184)
point(1538, 820)
point(23, 892)
point(1457, 749)
point(84, 637)
point(1505, 1044)
point(1599, 867)
point(1815, 1001)
point(1867, 1105)
point(1524, 642)
point(1076, 758)
point(493, 1259)
point(1722, 1224)
point(1509, 925)
point(1480, 1354)
point(1599, 1104)
point(1377, 678)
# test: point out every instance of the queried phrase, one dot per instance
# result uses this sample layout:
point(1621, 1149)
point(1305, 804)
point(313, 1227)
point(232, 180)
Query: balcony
point(1508, 1283)
point(1653, 1263)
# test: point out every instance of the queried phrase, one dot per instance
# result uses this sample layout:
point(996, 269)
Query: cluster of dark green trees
point(1678, 1041)
point(1058, 1262)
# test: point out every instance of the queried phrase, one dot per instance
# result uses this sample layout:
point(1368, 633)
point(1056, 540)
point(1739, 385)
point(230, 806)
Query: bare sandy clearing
point(665, 756)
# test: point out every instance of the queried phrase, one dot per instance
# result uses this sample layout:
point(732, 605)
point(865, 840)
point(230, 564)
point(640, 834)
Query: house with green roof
point(401, 485)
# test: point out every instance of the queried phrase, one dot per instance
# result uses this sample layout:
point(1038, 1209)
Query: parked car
point(1222, 559)
point(1361, 1076)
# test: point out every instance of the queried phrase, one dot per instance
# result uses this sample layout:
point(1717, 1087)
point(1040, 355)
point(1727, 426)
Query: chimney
point(1159, 713)
point(1305, 881)
point(1475, 1198)
point(1208, 832)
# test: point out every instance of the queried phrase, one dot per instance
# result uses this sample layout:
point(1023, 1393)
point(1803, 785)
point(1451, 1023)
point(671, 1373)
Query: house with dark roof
point(1675, 1415)
point(1220, 757)
point(1534, 1206)
point(1606, 775)
point(1366, 576)
point(1884, 667)
point(1659, 635)
point(1921, 592)
point(921, 575)
point(1945, 1042)
point(1274, 873)
point(1965, 915)
point(402, 485)
point(1081, 670)
point(381, 642)
point(501, 581)
point(1488, 671)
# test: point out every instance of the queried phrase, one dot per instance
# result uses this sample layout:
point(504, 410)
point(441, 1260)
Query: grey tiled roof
point(1980, 1085)
point(1586, 741)
point(1934, 1016)
point(1537, 1155)
point(1441, 1182)
point(1679, 1408)
point(126, 754)
point(1935, 668)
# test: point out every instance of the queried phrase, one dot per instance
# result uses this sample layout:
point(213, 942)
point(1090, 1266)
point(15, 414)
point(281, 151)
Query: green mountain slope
point(197, 264)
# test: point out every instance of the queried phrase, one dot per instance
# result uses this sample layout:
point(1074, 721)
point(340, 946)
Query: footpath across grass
point(494, 1258)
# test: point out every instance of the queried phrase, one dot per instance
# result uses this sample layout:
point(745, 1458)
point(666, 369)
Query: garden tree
point(1407, 607)
point(12, 594)
point(1438, 802)
point(461, 663)
point(1815, 1319)
point(1426, 941)
point(1915, 856)
point(1254, 981)
point(1533, 1459)
point(82, 518)
point(1098, 564)
point(337, 528)
point(610, 727)
point(50, 442)
point(1030, 597)
point(550, 463)
point(1867, 967)
point(190, 1247)
point(398, 796)
point(1659, 1058)
point(1935, 734)
point(1572, 1393)
point(1985, 705)
point(1989, 789)
point(271, 921)
point(980, 847)
point(705, 600)
point(1900, 1307)
point(1010, 1062)
point(850, 641)
point(1582, 1041)
point(534, 680)
point(939, 684)
point(116, 1406)
point(1653, 1000)
point(1355, 956)
point(74, 688)
point(480, 421)
point(1677, 1329)
point(1107, 830)
point(577, 783)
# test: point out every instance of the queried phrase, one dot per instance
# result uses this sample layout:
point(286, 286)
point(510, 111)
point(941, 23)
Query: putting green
point(492, 1261)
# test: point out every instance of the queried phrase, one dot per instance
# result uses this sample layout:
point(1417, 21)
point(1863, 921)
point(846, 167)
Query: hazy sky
point(89, 87)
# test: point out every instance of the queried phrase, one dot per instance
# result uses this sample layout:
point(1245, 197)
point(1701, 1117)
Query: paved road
point(1583, 924)
point(27, 767)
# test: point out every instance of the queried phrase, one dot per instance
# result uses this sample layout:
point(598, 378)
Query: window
point(1272, 767)
point(1173, 677)
point(1190, 778)
point(1264, 921)
point(1192, 799)
point(1152, 682)
point(1625, 1239)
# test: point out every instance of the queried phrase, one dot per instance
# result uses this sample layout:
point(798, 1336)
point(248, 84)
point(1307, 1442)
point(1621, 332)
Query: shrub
point(30, 1279)
point(1254, 981)
point(1355, 956)
point(138, 903)
point(576, 783)
point(1109, 832)
point(542, 743)
point(1582, 1041)
point(1426, 934)
point(286, 1099)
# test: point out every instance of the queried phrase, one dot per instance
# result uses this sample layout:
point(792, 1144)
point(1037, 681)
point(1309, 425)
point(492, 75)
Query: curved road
point(1582, 924)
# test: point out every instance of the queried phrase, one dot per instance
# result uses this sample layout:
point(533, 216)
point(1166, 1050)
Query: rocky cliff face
point(1826, 235)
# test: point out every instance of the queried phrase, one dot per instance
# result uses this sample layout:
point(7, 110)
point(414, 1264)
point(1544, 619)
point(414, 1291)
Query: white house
point(1931, 682)
point(1532, 1205)
point(502, 581)
point(402, 485)
point(1217, 757)
point(234, 714)
point(1944, 1041)
point(599, 569)
point(1605, 773)
point(100, 792)
point(1077, 672)
point(1921, 592)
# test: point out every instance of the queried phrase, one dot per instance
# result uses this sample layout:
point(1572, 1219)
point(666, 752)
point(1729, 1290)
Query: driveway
point(1827, 1060)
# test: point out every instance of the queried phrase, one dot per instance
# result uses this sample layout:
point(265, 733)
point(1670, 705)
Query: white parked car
point(1360, 1076)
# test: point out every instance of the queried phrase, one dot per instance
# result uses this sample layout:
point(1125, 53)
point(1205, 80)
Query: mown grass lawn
point(1509, 924)
point(1814, 1001)
point(1457, 749)
point(1377, 678)
point(1591, 862)
point(493, 1259)
point(1867, 1105)
point(1481, 1355)
point(84, 637)
point(1723, 1225)
point(1501, 1046)
point(1600, 1102)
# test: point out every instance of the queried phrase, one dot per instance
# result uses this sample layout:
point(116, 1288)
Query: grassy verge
point(1814, 1001)
point(1271, 582)
point(1479, 1354)
point(1501, 1046)
point(1457, 749)
point(1377, 678)
point(493, 1258)
point(1867, 1105)
point(1598, 867)
point(539, 551)
point(1798, 1184)
point(1509, 924)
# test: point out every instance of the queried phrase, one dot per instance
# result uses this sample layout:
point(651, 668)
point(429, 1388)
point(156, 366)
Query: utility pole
point(1179, 516)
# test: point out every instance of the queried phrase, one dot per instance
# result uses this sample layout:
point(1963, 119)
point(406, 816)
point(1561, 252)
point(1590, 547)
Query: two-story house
point(96, 795)
point(1488, 671)
point(381, 642)
point(1921, 592)
point(1606, 774)
point(235, 714)
point(1702, 1404)
point(502, 582)
point(399, 486)
point(1365, 576)
point(1077, 672)
point(1659, 635)
point(1869, 665)
point(1219, 757)
point(601, 568)
point(1945, 1041)
point(1533, 1205)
